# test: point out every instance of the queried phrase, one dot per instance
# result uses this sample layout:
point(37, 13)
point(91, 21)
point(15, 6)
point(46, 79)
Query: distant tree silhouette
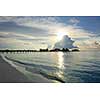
point(41, 50)
point(65, 50)
point(75, 50)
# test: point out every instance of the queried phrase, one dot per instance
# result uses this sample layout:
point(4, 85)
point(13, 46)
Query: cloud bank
point(65, 42)
point(41, 32)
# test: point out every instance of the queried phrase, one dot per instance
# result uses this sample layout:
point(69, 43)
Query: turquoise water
point(63, 67)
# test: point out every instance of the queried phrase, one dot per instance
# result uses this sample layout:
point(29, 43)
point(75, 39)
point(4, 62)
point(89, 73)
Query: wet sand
point(9, 74)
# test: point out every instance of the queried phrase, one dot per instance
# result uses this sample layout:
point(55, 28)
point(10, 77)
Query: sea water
point(66, 67)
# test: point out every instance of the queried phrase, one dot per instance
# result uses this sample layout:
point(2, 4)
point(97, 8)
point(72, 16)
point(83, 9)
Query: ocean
point(63, 67)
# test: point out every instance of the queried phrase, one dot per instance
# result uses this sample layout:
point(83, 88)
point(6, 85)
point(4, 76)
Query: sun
point(60, 35)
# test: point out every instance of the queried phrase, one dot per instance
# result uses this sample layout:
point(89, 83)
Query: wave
point(87, 76)
point(39, 69)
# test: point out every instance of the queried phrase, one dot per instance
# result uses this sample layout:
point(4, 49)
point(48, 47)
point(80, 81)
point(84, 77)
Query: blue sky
point(33, 32)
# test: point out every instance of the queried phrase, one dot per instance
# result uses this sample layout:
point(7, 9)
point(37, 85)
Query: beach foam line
point(35, 71)
point(9, 74)
point(10, 62)
point(48, 76)
point(33, 65)
point(35, 78)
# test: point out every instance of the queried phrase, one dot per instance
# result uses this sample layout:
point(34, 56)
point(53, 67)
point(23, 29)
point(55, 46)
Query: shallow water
point(63, 67)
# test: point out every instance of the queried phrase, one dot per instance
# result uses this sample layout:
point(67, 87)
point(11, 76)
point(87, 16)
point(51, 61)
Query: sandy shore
point(9, 74)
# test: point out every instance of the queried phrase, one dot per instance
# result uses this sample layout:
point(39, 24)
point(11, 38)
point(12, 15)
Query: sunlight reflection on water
point(60, 60)
point(60, 64)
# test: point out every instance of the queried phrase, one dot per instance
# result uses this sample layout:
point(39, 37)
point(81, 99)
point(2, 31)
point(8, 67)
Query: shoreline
point(10, 74)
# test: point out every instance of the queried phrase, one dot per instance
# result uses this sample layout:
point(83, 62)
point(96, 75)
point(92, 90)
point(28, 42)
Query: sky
point(35, 32)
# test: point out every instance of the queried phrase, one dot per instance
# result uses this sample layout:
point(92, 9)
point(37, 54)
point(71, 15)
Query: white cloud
point(7, 18)
point(74, 21)
point(51, 25)
point(66, 42)
point(15, 35)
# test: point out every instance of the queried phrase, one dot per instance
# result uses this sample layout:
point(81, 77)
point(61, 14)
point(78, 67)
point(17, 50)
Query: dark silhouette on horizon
point(41, 50)
point(74, 50)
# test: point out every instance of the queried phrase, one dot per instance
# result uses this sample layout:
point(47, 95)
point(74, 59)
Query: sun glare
point(60, 35)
